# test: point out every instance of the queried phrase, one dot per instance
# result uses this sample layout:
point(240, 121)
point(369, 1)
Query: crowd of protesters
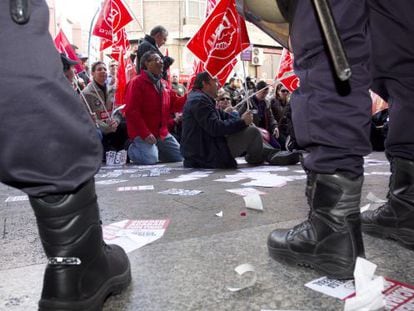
point(156, 127)
point(153, 126)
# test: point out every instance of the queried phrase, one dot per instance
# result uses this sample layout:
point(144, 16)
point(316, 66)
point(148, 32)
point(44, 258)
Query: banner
point(113, 17)
point(63, 46)
point(221, 37)
point(286, 74)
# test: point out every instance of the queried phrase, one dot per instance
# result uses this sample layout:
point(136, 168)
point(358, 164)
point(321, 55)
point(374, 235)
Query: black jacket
point(203, 140)
point(148, 44)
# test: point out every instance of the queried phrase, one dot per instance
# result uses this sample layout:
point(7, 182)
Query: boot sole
point(404, 237)
point(113, 286)
point(332, 267)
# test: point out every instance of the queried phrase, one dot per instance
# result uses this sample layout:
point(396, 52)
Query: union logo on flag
point(221, 38)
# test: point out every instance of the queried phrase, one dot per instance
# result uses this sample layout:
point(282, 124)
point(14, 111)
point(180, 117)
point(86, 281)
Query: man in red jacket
point(149, 104)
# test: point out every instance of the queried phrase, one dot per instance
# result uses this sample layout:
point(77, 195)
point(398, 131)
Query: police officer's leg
point(50, 151)
point(332, 122)
point(392, 27)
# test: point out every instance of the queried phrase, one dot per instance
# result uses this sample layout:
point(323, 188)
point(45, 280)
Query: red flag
point(130, 69)
point(286, 74)
point(105, 44)
point(197, 68)
point(121, 80)
point(119, 43)
point(224, 74)
point(210, 6)
point(63, 46)
point(112, 18)
point(221, 38)
point(198, 65)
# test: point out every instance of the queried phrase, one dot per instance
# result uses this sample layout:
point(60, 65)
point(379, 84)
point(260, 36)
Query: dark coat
point(148, 44)
point(203, 141)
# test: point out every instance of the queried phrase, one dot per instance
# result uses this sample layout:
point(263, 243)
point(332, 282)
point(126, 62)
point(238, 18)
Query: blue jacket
point(203, 141)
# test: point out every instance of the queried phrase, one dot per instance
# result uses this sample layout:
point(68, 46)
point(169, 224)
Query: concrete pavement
point(190, 267)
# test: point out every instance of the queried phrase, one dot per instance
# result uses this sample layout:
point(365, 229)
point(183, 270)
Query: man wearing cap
point(69, 72)
point(84, 75)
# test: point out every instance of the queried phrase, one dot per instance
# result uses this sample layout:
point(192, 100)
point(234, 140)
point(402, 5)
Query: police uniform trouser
point(332, 119)
point(48, 141)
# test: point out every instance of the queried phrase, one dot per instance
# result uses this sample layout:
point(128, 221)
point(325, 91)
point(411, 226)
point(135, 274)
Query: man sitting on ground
point(212, 138)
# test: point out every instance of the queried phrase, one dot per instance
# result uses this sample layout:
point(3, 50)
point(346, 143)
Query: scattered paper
point(205, 173)
point(268, 182)
point(138, 175)
point(133, 234)
point(245, 191)
point(264, 169)
point(299, 171)
point(183, 178)
point(374, 199)
point(136, 188)
point(231, 179)
point(368, 288)
point(219, 214)
point(126, 171)
point(295, 177)
point(241, 270)
point(110, 181)
point(253, 201)
point(181, 192)
point(335, 288)
point(17, 198)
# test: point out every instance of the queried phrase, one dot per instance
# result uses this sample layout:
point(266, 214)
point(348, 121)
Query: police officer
point(332, 121)
point(50, 151)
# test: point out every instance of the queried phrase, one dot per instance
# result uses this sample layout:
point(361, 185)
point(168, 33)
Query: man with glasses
point(212, 138)
point(113, 69)
point(149, 105)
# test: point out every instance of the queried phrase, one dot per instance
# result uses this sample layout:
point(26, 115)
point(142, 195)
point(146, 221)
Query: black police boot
point(330, 240)
point(395, 219)
point(82, 271)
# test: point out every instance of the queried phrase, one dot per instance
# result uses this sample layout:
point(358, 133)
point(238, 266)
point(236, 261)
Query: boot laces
point(299, 228)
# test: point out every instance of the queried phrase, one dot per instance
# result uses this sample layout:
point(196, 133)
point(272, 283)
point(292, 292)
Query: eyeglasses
point(224, 98)
point(284, 91)
point(155, 59)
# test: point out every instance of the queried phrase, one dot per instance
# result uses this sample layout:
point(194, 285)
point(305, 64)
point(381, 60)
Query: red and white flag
point(120, 44)
point(113, 17)
point(210, 6)
point(285, 73)
point(130, 69)
point(63, 46)
point(221, 37)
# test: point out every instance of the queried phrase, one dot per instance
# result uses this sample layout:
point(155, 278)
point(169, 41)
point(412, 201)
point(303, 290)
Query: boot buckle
point(65, 261)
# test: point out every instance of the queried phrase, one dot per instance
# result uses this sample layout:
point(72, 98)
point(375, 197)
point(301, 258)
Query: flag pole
point(133, 15)
point(90, 31)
